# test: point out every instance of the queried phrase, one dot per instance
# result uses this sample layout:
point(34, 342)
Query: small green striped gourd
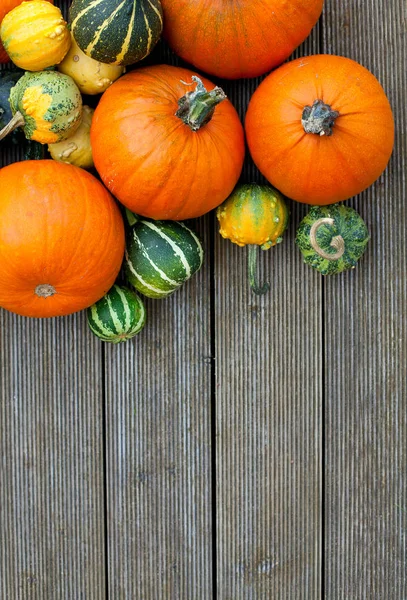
point(116, 32)
point(160, 256)
point(332, 238)
point(118, 316)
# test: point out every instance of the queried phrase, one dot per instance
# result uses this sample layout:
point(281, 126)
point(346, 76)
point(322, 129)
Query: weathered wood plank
point(268, 413)
point(51, 473)
point(366, 343)
point(158, 404)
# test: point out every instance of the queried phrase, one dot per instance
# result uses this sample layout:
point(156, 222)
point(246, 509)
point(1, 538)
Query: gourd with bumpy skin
point(253, 215)
point(76, 150)
point(332, 238)
point(47, 105)
point(91, 76)
point(116, 32)
point(320, 129)
point(118, 316)
point(5, 7)
point(35, 35)
point(61, 239)
point(160, 256)
point(166, 143)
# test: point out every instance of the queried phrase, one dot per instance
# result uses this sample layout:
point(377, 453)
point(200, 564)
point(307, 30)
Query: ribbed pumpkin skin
point(118, 316)
point(35, 35)
point(160, 256)
point(116, 32)
point(59, 227)
point(347, 223)
point(50, 103)
point(243, 38)
point(253, 214)
point(150, 160)
point(311, 168)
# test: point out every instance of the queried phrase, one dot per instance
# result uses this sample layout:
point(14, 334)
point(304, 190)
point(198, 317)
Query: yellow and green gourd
point(160, 256)
point(35, 35)
point(332, 238)
point(253, 215)
point(118, 316)
point(116, 32)
point(47, 105)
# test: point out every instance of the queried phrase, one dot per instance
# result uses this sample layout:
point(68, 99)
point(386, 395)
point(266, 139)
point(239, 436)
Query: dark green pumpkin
point(116, 32)
point(332, 238)
point(160, 256)
point(118, 316)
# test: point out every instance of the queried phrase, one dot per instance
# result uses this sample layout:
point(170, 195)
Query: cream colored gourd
point(76, 150)
point(91, 76)
point(35, 35)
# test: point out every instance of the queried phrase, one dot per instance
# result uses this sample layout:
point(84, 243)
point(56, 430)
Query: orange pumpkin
point(165, 146)
point(61, 238)
point(5, 7)
point(243, 38)
point(320, 129)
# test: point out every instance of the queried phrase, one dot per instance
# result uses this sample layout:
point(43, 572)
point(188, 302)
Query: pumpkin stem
point(252, 262)
point(319, 118)
point(16, 121)
point(196, 108)
point(44, 290)
point(337, 242)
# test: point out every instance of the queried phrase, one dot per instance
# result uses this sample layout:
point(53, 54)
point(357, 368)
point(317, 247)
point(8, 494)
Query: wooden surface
point(240, 447)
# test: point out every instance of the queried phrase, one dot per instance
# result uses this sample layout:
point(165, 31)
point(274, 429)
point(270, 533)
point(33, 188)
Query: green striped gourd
point(253, 215)
point(332, 238)
point(118, 316)
point(160, 256)
point(116, 32)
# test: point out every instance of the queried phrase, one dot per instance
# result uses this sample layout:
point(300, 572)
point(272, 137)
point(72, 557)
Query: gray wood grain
point(268, 413)
point(366, 343)
point(51, 469)
point(158, 406)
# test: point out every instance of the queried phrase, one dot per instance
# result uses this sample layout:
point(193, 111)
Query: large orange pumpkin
point(5, 7)
point(61, 239)
point(243, 38)
point(164, 146)
point(320, 129)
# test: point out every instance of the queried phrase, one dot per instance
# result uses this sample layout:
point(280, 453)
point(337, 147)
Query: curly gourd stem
point(131, 217)
point(252, 262)
point(337, 242)
point(16, 121)
point(197, 107)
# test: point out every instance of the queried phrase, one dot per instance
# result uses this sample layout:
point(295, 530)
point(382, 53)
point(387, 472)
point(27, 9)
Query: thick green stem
point(252, 263)
point(196, 108)
point(318, 118)
point(16, 121)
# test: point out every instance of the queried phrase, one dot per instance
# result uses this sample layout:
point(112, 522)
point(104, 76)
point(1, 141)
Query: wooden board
point(51, 446)
point(159, 488)
point(268, 412)
point(366, 344)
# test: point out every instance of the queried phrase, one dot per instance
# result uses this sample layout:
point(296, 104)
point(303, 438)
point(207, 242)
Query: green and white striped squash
point(160, 256)
point(118, 316)
point(332, 238)
point(116, 32)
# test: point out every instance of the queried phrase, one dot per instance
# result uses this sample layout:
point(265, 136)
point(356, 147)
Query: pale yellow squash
point(76, 150)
